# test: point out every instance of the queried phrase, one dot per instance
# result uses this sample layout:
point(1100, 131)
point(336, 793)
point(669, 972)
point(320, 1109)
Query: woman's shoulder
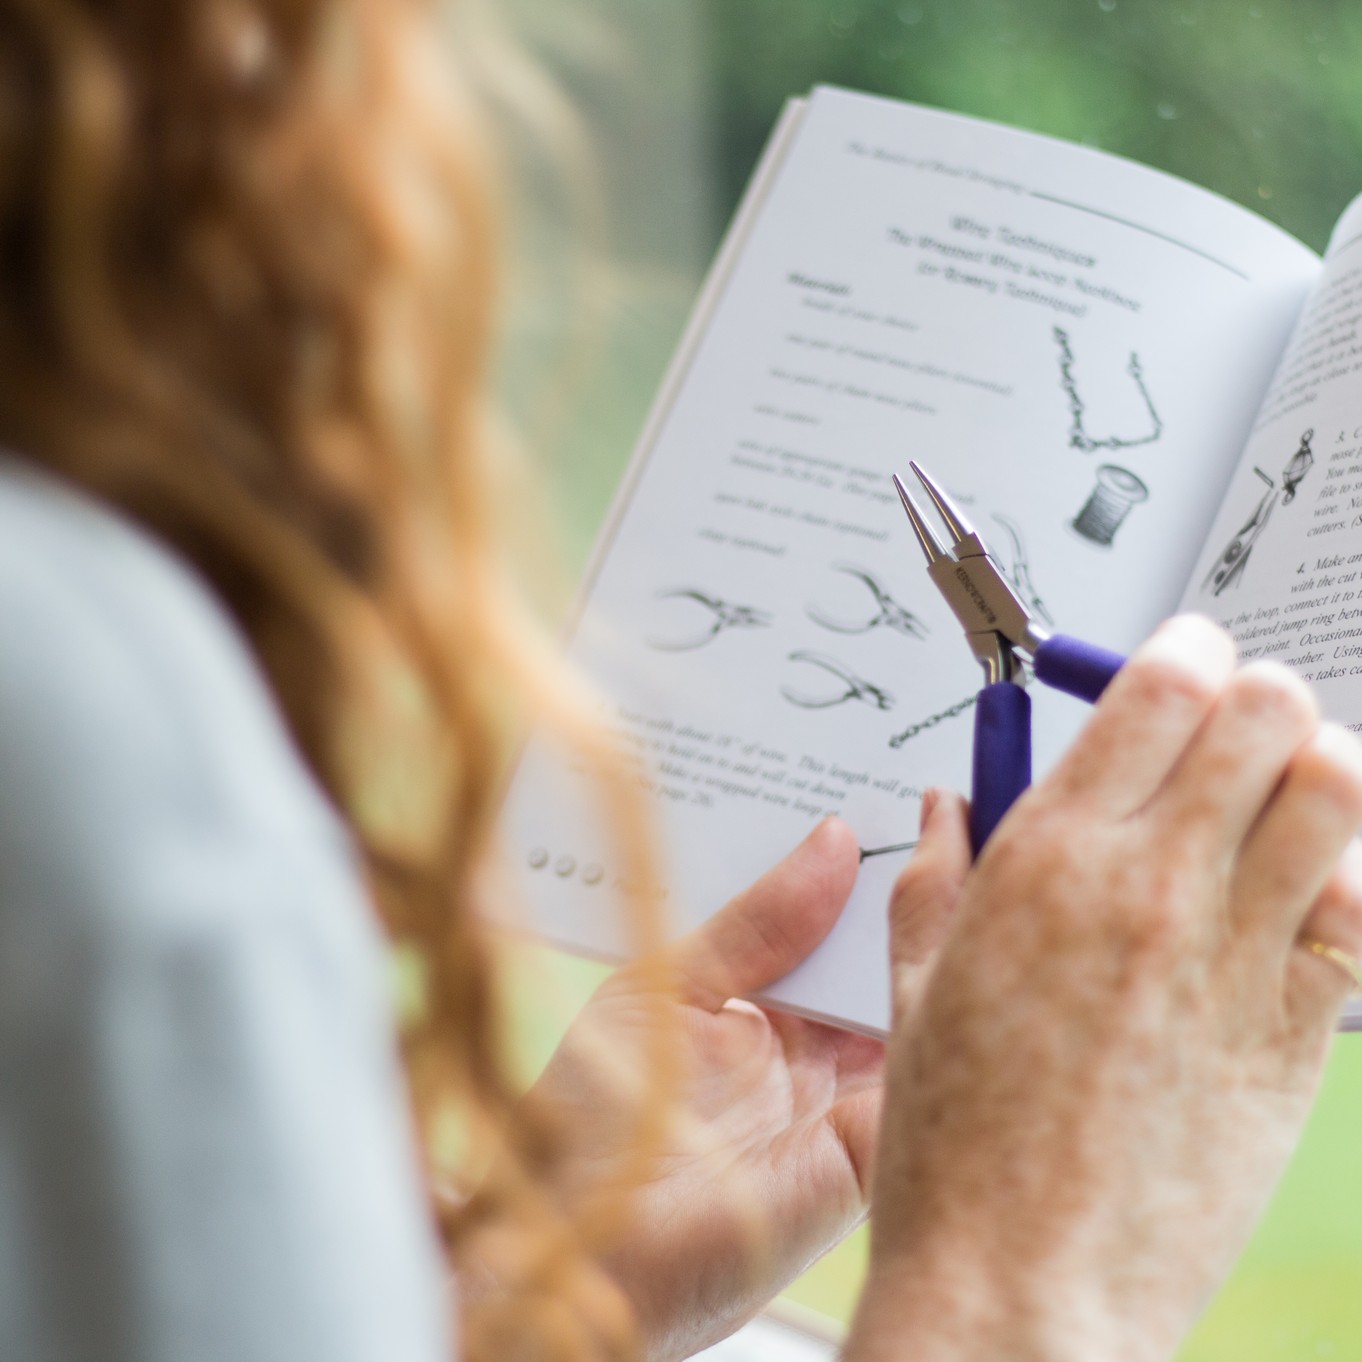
point(200, 1079)
point(130, 706)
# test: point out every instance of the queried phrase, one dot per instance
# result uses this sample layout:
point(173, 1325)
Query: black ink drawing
point(1079, 437)
point(1117, 493)
point(1229, 567)
point(1078, 434)
point(854, 687)
point(890, 614)
point(1302, 461)
point(913, 730)
point(1019, 573)
point(722, 616)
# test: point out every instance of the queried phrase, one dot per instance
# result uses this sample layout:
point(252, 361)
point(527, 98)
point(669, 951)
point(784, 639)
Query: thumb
point(922, 904)
point(766, 931)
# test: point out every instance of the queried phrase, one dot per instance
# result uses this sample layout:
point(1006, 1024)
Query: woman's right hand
point(1122, 1033)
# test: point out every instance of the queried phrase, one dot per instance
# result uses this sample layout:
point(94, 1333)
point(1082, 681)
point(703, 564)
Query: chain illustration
point(953, 712)
point(1078, 435)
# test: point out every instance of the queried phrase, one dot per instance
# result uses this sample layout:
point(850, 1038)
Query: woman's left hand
point(766, 1160)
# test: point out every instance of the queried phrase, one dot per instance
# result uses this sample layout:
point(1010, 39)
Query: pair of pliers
point(1004, 637)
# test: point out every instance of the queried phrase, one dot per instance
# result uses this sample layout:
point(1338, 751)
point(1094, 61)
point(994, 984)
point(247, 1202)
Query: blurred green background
point(667, 104)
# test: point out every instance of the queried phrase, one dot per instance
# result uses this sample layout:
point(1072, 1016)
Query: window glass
point(1260, 100)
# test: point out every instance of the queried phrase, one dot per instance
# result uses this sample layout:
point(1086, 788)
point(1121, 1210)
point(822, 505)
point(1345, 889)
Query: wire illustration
point(855, 687)
point(1229, 568)
point(890, 614)
point(722, 616)
point(1078, 433)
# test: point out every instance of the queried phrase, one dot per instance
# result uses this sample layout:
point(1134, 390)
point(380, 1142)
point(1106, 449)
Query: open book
point(1148, 398)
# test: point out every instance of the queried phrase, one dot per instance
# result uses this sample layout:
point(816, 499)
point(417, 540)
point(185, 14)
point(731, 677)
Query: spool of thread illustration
point(1117, 493)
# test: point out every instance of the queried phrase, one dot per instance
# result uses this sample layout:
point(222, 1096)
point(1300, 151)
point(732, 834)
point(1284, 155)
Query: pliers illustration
point(891, 614)
point(1004, 636)
point(1020, 576)
point(857, 687)
point(724, 615)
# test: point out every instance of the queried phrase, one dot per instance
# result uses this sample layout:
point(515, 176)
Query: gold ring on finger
point(1349, 964)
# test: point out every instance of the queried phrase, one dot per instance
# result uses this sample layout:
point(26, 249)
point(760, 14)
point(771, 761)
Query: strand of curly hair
point(248, 294)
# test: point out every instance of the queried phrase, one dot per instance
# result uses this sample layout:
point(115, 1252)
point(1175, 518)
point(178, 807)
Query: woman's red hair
point(248, 294)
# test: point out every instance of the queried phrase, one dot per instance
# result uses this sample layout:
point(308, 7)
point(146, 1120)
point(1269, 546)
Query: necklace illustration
point(1078, 434)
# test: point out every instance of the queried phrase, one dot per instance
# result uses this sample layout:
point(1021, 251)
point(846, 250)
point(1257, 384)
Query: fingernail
point(929, 802)
point(1341, 746)
point(820, 828)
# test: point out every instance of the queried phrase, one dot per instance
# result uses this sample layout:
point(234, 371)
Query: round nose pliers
point(1005, 637)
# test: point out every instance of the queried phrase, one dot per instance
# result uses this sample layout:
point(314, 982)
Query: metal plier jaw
point(1001, 631)
point(1004, 636)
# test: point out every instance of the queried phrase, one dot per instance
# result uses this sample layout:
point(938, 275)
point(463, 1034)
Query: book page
point(1074, 345)
point(1282, 568)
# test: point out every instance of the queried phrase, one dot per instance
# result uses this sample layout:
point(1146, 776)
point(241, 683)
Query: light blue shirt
point(205, 1152)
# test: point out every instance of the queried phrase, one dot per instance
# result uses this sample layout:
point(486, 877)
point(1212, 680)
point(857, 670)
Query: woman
point(262, 665)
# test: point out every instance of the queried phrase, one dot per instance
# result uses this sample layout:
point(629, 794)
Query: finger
point(854, 1121)
point(1291, 852)
point(770, 928)
point(1230, 769)
point(836, 1080)
point(924, 895)
point(923, 901)
point(1146, 718)
point(1317, 987)
point(843, 1061)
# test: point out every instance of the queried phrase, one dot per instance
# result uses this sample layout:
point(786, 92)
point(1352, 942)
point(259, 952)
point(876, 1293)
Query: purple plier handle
point(1002, 725)
point(1002, 757)
point(1077, 668)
